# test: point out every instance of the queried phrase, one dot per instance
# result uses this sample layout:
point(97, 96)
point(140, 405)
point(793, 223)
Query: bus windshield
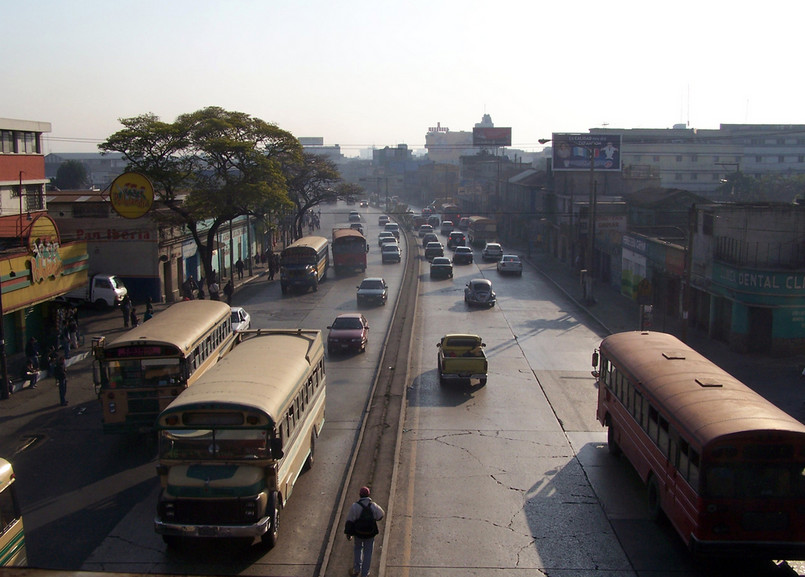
point(132, 373)
point(212, 444)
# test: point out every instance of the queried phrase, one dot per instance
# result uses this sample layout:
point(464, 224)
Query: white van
point(393, 228)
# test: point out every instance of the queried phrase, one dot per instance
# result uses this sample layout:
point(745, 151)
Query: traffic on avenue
point(508, 474)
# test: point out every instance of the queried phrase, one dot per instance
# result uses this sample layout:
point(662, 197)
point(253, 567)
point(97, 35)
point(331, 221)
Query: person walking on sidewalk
point(213, 288)
point(361, 525)
point(229, 290)
point(125, 308)
point(239, 266)
point(60, 373)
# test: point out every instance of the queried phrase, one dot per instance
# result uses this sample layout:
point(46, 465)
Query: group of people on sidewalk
point(56, 362)
point(129, 311)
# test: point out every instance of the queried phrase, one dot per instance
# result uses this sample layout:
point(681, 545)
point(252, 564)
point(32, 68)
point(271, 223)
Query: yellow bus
point(12, 534)
point(481, 230)
point(232, 446)
point(304, 263)
point(139, 373)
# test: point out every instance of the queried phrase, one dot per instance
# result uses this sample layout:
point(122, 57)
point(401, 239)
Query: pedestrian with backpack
point(361, 524)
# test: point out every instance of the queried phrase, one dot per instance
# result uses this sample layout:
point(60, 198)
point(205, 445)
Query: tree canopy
point(209, 166)
point(72, 175)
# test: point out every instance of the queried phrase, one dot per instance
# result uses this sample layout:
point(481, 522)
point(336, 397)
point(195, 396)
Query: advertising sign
point(491, 136)
point(598, 152)
point(132, 195)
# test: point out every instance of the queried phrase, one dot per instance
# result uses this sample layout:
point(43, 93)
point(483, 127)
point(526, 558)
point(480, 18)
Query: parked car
point(385, 236)
point(241, 320)
point(354, 216)
point(463, 255)
point(456, 239)
point(393, 228)
point(434, 249)
point(441, 267)
point(446, 227)
point(373, 290)
point(382, 220)
point(479, 292)
point(429, 237)
point(424, 229)
point(390, 252)
point(492, 251)
point(510, 263)
point(349, 332)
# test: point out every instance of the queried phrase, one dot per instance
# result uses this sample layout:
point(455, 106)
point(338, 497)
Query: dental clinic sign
point(132, 195)
point(758, 281)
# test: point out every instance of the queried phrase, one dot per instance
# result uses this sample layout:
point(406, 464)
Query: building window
point(694, 158)
point(637, 158)
point(679, 158)
point(6, 141)
point(781, 141)
point(758, 159)
point(678, 176)
point(781, 159)
point(694, 176)
point(717, 177)
point(800, 158)
point(715, 159)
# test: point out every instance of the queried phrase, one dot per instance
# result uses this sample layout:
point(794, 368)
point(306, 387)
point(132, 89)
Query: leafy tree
point(311, 180)
point(208, 167)
point(72, 175)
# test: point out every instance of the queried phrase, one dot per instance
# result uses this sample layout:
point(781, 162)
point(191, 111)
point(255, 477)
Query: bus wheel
point(270, 537)
point(171, 541)
point(653, 499)
point(310, 457)
point(612, 444)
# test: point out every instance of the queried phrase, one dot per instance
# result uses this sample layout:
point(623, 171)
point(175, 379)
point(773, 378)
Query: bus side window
point(684, 461)
point(693, 473)
point(664, 438)
point(653, 425)
point(637, 411)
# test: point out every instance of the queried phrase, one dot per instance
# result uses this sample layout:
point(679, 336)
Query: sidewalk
point(778, 379)
point(26, 402)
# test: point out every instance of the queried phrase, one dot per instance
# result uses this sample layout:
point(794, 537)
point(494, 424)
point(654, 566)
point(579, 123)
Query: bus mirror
point(276, 449)
point(595, 358)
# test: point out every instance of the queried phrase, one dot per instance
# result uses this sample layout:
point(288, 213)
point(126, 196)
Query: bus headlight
point(112, 407)
point(168, 511)
point(250, 509)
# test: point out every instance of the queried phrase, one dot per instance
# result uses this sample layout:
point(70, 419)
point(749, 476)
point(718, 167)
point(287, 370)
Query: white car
point(510, 263)
point(492, 251)
point(241, 320)
point(390, 252)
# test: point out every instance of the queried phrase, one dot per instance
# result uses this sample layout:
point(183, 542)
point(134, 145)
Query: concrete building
point(699, 160)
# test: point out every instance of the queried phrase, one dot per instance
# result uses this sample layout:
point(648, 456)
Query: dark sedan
point(441, 267)
point(348, 333)
point(463, 255)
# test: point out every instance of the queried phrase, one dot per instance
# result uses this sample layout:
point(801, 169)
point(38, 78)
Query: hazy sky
point(378, 73)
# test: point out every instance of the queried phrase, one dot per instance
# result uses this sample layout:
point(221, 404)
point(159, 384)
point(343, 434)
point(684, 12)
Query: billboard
point(491, 136)
point(599, 152)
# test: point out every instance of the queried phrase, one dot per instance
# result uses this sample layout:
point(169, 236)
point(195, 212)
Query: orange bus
point(349, 250)
point(723, 464)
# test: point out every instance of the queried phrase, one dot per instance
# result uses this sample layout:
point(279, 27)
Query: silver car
point(373, 290)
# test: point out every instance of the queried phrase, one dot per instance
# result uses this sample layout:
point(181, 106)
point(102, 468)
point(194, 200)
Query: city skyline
point(363, 75)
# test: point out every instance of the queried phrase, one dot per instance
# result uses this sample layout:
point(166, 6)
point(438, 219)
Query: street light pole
point(588, 277)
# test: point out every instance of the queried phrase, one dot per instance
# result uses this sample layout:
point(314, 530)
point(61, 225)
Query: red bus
point(349, 250)
point(452, 213)
point(723, 464)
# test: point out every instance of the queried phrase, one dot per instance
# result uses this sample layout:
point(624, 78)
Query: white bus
point(12, 534)
point(232, 446)
point(139, 373)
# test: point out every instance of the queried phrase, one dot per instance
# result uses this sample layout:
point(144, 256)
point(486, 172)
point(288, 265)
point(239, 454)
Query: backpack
point(365, 526)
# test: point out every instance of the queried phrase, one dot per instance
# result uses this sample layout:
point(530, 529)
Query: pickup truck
point(102, 290)
point(462, 357)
